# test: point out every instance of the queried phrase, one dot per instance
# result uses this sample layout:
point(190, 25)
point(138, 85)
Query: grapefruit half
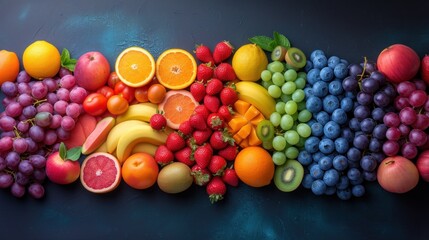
point(100, 172)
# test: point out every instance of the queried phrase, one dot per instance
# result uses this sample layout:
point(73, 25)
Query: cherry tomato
point(126, 91)
point(156, 93)
point(140, 93)
point(106, 91)
point(117, 104)
point(95, 104)
point(112, 80)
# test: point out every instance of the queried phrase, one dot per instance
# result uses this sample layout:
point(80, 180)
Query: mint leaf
point(66, 61)
point(266, 43)
point(63, 151)
point(281, 40)
point(74, 153)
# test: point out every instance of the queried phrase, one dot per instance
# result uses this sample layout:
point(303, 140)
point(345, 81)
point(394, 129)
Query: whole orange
point(41, 60)
point(140, 171)
point(254, 166)
point(9, 66)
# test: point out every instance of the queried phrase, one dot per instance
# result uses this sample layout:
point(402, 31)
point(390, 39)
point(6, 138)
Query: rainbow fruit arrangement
point(260, 114)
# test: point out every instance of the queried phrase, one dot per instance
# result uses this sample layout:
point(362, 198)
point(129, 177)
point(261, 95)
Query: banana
point(140, 111)
point(145, 147)
point(257, 95)
point(138, 134)
point(118, 130)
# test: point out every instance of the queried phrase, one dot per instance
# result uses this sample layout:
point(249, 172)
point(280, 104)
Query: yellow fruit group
point(249, 61)
point(41, 60)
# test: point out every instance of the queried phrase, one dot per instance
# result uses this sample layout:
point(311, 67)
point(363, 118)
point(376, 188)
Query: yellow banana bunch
point(145, 147)
point(257, 95)
point(121, 129)
point(138, 133)
point(140, 111)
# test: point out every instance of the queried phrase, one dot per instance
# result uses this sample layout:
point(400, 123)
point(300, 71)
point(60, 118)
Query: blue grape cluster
point(332, 166)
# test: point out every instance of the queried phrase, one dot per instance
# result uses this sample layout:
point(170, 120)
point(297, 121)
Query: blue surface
point(350, 30)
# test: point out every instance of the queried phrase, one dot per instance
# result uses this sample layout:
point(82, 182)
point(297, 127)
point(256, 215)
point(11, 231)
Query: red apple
point(61, 171)
point(399, 63)
point(92, 71)
point(397, 174)
point(424, 68)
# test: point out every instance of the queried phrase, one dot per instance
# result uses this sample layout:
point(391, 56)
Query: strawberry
point(186, 128)
point(197, 121)
point(217, 165)
point(198, 91)
point(201, 109)
point(215, 121)
point(222, 51)
point(226, 112)
point(212, 103)
point(205, 72)
point(201, 175)
point(230, 177)
point(184, 155)
point(163, 155)
point(201, 136)
point(214, 86)
point(228, 96)
point(229, 152)
point(204, 54)
point(175, 142)
point(157, 121)
point(216, 189)
point(220, 139)
point(225, 72)
point(202, 155)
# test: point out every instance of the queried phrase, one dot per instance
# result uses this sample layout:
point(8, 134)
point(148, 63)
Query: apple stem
point(389, 162)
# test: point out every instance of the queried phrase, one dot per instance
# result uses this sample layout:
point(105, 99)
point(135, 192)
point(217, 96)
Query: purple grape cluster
point(38, 115)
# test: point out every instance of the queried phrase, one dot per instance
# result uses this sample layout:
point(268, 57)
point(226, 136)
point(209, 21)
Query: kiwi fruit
point(288, 176)
point(278, 53)
point(265, 130)
point(295, 57)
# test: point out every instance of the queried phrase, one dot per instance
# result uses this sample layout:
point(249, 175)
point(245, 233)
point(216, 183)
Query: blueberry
point(317, 129)
point(339, 116)
point(340, 163)
point(308, 92)
point(326, 74)
point(312, 144)
point(308, 66)
point(341, 71)
point(307, 181)
point(346, 104)
point(368, 163)
point(330, 190)
point(353, 173)
point(317, 156)
point(326, 146)
point(344, 194)
point(322, 117)
point(320, 61)
point(348, 134)
point(313, 76)
point(343, 182)
point(332, 130)
point(333, 61)
point(351, 95)
point(330, 103)
point(342, 60)
point(305, 158)
point(318, 187)
point(341, 145)
point(335, 87)
point(314, 104)
point(358, 190)
point(320, 89)
point(331, 177)
point(316, 172)
point(315, 53)
point(325, 163)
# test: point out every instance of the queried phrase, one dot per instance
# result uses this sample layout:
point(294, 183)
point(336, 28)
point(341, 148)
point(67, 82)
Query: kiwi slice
point(295, 57)
point(278, 53)
point(265, 130)
point(288, 176)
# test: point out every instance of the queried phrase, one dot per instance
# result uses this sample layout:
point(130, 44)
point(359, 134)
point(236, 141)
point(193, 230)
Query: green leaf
point(281, 40)
point(63, 151)
point(264, 42)
point(74, 153)
point(70, 66)
point(66, 61)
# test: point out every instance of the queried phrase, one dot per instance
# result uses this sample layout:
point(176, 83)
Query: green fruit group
point(295, 58)
point(288, 176)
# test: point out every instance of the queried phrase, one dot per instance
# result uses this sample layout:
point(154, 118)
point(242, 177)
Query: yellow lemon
point(249, 61)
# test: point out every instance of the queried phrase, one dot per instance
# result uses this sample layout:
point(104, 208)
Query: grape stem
point(37, 102)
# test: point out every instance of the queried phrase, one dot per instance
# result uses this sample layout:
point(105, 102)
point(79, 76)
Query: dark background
point(348, 29)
